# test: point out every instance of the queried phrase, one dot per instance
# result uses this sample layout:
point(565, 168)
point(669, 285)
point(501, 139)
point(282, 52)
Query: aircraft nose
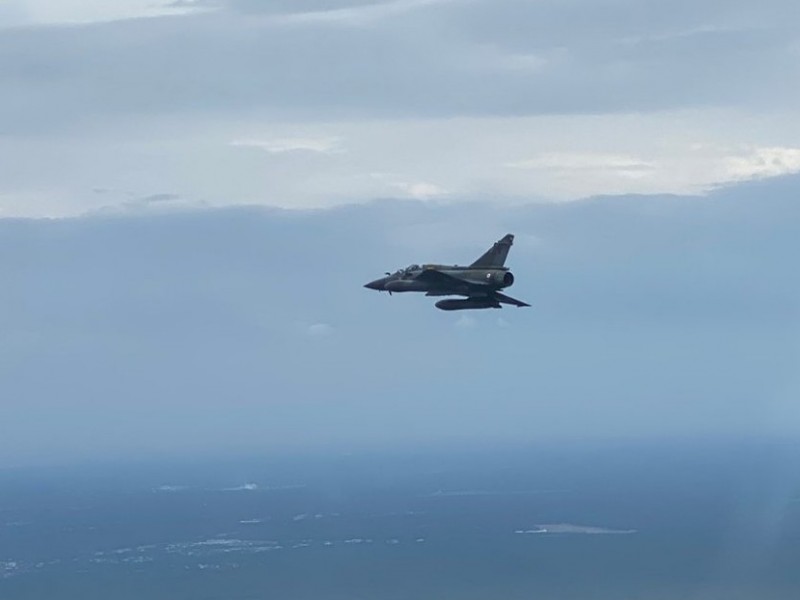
point(376, 285)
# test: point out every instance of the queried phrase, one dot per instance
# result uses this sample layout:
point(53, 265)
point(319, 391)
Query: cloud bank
point(479, 100)
point(249, 328)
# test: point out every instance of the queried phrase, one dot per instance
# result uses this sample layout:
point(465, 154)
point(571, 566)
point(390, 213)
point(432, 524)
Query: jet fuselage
point(479, 282)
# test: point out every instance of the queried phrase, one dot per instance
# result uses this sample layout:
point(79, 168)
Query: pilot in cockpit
point(408, 270)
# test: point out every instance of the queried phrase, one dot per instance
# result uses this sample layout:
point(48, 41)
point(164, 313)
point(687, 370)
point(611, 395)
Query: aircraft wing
point(468, 288)
point(450, 284)
point(443, 279)
point(509, 300)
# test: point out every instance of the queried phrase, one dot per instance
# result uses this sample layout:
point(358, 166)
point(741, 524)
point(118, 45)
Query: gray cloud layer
point(311, 104)
point(404, 58)
point(242, 328)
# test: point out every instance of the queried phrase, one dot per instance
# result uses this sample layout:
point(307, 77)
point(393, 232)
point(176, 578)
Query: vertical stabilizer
point(495, 256)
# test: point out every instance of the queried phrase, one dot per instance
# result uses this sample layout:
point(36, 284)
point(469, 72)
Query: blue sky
point(193, 193)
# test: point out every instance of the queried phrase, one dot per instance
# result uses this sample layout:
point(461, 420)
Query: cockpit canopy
point(407, 270)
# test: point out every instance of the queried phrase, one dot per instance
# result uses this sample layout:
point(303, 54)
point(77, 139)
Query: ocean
point(650, 520)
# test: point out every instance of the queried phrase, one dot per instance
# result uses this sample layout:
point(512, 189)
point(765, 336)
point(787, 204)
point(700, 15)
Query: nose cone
point(378, 284)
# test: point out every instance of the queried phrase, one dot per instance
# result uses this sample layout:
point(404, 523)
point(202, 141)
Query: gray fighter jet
point(480, 282)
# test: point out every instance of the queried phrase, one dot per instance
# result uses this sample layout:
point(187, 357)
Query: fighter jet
point(480, 282)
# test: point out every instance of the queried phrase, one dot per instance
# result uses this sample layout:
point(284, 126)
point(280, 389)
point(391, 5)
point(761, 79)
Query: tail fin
point(496, 255)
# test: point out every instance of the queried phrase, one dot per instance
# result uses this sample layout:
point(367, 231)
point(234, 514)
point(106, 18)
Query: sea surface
point(626, 520)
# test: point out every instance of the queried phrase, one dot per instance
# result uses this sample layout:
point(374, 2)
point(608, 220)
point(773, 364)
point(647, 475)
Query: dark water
point(617, 521)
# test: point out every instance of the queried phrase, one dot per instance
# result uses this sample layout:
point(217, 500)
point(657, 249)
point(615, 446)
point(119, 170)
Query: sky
point(192, 194)
point(315, 104)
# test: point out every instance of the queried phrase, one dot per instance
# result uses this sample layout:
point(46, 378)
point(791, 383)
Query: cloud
point(622, 165)
point(246, 487)
point(320, 330)
point(581, 161)
point(464, 59)
point(652, 315)
point(149, 204)
point(465, 321)
point(330, 145)
point(696, 31)
point(192, 4)
point(359, 15)
point(337, 163)
point(83, 12)
point(582, 98)
point(159, 198)
point(763, 162)
point(522, 62)
point(420, 190)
